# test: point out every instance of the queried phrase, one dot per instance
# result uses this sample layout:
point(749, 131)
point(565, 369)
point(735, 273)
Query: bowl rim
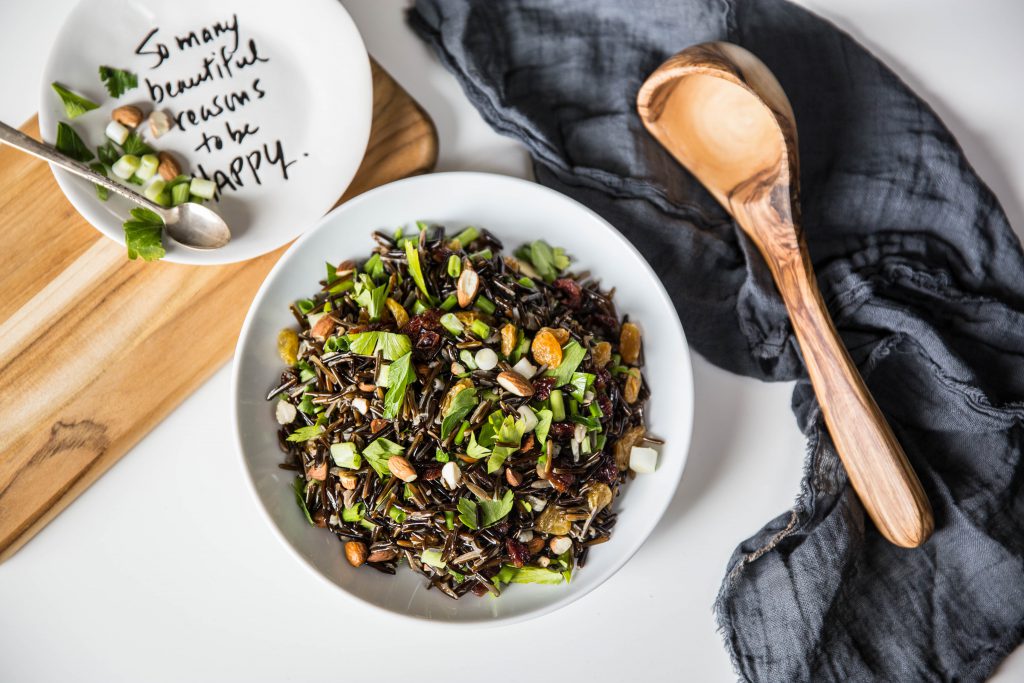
point(567, 598)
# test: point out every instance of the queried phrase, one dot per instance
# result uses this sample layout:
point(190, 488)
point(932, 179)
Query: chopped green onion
point(480, 329)
point(485, 305)
point(342, 286)
point(153, 189)
point(452, 324)
point(449, 303)
point(305, 306)
point(148, 164)
point(449, 519)
point(354, 513)
point(418, 307)
point(126, 166)
point(116, 132)
point(432, 557)
point(396, 514)
point(527, 282)
point(201, 187)
point(557, 405)
point(413, 257)
point(467, 359)
point(454, 266)
point(460, 435)
point(468, 235)
point(599, 441)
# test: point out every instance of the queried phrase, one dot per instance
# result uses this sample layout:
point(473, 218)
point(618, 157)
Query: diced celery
point(452, 324)
point(432, 557)
point(480, 329)
point(116, 132)
point(179, 194)
point(449, 303)
point(485, 305)
point(454, 266)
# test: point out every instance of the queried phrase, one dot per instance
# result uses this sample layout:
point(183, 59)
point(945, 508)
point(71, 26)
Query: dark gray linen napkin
point(919, 268)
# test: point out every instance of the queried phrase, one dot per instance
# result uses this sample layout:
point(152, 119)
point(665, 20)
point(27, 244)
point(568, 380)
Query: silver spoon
point(192, 225)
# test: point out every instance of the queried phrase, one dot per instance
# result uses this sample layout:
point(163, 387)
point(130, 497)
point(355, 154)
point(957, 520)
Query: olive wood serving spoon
point(722, 115)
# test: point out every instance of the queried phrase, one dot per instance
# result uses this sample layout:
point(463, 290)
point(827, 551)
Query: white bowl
point(313, 95)
point(516, 211)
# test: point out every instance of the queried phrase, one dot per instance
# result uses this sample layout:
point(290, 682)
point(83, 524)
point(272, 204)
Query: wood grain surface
point(724, 116)
point(95, 349)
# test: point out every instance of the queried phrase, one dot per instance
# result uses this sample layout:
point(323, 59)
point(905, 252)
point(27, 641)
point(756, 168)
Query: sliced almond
point(168, 168)
point(512, 477)
point(514, 383)
point(468, 286)
point(361, 405)
point(159, 123)
point(377, 424)
point(451, 473)
point(317, 472)
point(401, 468)
point(560, 544)
point(127, 115)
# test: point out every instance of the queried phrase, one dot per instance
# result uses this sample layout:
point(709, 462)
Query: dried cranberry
point(542, 387)
point(501, 528)
point(562, 430)
point(480, 590)
point(427, 320)
point(561, 481)
point(608, 471)
point(605, 404)
point(517, 552)
point(573, 295)
point(431, 472)
point(609, 322)
point(601, 378)
point(427, 343)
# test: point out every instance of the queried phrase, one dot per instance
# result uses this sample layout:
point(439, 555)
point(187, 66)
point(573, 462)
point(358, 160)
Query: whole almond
point(401, 468)
point(168, 168)
point(468, 286)
point(323, 327)
point(514, 383)
point(127, 116)
point(355, 553)
point(382, 556)
point(535, 545)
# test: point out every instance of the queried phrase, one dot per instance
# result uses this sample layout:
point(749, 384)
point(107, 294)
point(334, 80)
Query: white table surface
point(164, 570)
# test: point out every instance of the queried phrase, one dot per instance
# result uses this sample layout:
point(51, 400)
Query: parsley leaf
point(142, 235)
point(69, 144)
point(509, 574)
point(74, 104)
point(572, 356)
point(133, 144)
point(459, 408)
point(543, 425)
point(548, 261)
point(400, 375)
point(580, 382)
point(107, 153)
point(118, 82)
point(374, 267)
point(507, 441)
point(391, 344)
point(467, 513)
point(369, 296)
point(378, 452)
point(300, 497)
point(441, 456)
point(475, 450)
point(102, 193)
point(307, 433)
point(493, 511)
point(413, 256)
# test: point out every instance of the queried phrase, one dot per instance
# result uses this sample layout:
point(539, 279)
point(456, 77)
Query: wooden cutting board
point(95, 349)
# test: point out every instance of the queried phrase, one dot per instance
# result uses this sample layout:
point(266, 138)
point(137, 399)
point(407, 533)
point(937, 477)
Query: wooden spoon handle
point(877, 466)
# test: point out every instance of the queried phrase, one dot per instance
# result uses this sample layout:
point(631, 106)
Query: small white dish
point(516, 211)
point(313, 96)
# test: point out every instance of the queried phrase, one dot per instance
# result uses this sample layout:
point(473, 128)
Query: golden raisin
point(561, 334)
point(553, 521)
point(508, 339)
point(624, 445)
point(546, 349)
point(632, 390)
point(602, 353)
point(629, 343)
point(288, 346)
point(397, 312)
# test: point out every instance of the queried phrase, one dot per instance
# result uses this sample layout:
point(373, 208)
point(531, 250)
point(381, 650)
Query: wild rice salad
point(468, 413)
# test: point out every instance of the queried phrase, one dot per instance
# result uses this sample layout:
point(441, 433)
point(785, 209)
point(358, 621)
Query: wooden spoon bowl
point(722, 114)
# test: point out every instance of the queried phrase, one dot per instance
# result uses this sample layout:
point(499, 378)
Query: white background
point(164, 569)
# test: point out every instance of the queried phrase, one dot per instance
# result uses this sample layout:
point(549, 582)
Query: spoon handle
point(876, 464)
point(15, 138)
